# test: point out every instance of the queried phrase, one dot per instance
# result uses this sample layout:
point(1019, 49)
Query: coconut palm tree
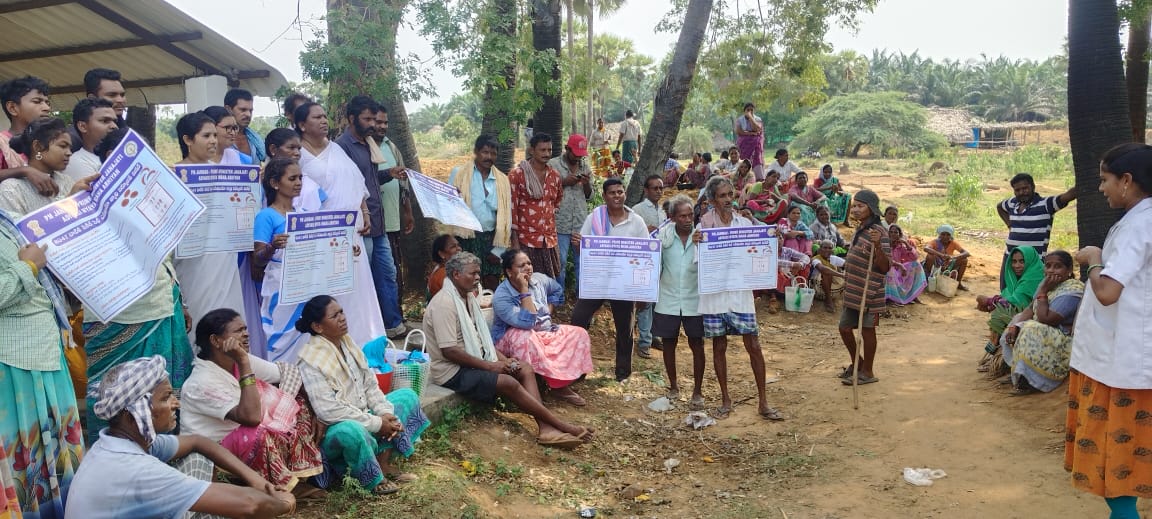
point(1097, 108)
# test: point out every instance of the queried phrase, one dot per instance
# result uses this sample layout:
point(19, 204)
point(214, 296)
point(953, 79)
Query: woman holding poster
point(611, 219)
point(282, 182)
point(212, 280)
point(40, 425)
point(326, 163)
point(732, 312)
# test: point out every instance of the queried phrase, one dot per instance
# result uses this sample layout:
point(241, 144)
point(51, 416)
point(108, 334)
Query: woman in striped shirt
point(864, 284)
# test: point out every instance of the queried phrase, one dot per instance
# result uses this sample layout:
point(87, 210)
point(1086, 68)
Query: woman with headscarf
point(40, 424)
point(126, 473)
point(864, 287)
point(366, 428)
point(1022, 275)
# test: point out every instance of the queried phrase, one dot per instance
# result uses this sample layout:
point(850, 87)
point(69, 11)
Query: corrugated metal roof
point(152, 43)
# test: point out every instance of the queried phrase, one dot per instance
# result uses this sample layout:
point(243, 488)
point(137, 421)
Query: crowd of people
point(177, 389)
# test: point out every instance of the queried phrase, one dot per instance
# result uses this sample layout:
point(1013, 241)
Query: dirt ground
point(1002, 454)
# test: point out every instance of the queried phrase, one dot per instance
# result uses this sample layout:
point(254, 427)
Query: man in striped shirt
point(1029, 216)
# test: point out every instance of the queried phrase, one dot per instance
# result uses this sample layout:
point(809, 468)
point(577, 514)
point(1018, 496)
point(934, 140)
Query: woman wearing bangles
point(1110, 385)
point(282, 181)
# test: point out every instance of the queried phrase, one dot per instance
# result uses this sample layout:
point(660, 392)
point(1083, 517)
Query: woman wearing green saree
point(837, 199)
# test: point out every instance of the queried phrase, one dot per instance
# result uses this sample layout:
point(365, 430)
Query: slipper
point(561, 441)
point(586, 435)
point(385, 488)
point(722, 412)
point(696, 404)
point(403, 477)
point(845, 373)
point(861, 381)
point(571, 397)
point(673, 395)
point(772, 414)
point(643, 354)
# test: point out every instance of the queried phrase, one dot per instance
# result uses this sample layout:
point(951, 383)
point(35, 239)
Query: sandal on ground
point(696, 404)
point(772, 414)
point(644, 354)
point(586, 435)
point(402, 477)
point(560, 441)
point(830, 308)
point(673, 395)
point(845, 373)
point(570, 397)
point(864, 379)
point(722, 412)
point(962, 287)
point(657, 344)
point(385, 488)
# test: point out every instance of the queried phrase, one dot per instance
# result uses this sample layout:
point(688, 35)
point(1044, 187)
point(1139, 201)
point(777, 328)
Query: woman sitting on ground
point(905, 280)
point(824, 229)
point(365, 427)
point(126, 473)
point(765, 199)
point(1037, 344)
point(807, 197)
point(523, 328)
point(1022, 275)
point(443, 247)
point(230, 399)
point(794, 233)
point(830, 187)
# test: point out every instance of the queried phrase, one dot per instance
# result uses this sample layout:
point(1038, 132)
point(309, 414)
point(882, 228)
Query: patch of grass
point(963, 190)
point(791, 465)
point(437, 440)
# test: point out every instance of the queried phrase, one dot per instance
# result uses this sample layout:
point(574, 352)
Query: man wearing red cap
point(574, 177)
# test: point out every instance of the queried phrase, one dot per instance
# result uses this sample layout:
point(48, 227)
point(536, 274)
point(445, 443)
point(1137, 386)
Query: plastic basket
point(412, 370)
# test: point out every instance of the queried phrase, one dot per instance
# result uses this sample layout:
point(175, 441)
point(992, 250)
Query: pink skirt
point(560, 357)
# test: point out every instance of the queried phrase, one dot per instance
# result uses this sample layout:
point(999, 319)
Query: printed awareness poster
point(624, 269)
point(442, 201)
point(106, 244)
point(318, 256)
point(231, 196)
point(737, 258)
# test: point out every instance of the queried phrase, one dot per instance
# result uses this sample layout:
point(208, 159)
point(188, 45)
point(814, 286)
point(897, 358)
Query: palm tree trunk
point(546, 37)
point(388, 92)
point(572, 67)
point(591, 119)
point(1137, 73)
point(1097, 108)
point(671, 97)
point(498, 121)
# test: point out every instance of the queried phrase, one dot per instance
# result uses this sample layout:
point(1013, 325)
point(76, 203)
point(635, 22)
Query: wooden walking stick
point(858, 335)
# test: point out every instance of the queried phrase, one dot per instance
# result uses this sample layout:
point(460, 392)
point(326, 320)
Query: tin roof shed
point(154, 45)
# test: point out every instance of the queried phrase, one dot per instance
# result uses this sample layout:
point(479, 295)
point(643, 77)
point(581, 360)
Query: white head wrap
point(128, 387)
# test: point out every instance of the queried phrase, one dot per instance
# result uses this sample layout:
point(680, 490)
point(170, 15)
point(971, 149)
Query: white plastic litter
point(660, 405)
point(699, 420)
point(922, 477)
point(670, 464)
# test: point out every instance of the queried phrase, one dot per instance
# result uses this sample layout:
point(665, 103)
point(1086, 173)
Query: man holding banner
point(731, 312)
point(611, 219)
